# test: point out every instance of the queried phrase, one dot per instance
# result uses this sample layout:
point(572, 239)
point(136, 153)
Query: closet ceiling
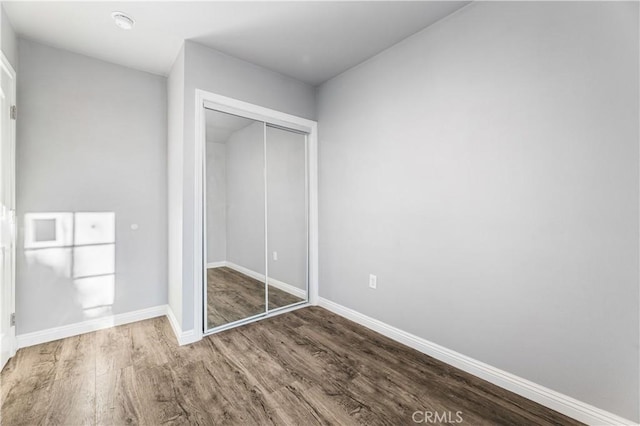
point(310, 41)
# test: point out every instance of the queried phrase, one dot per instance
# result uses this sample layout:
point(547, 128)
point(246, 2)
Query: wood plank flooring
point(304, 367)
point(232, 296)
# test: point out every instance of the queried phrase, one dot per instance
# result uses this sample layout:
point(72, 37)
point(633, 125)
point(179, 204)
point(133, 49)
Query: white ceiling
point(221, 126)
point(310, 41)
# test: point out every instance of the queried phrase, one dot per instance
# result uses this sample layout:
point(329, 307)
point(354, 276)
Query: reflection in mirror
point(287, 217)
point(235, 218)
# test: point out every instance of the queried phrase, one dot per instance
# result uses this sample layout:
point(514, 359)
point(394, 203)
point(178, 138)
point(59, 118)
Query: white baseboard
point(246, 271)
point(549, 398)
point(288, 288)
point(56, 333)
point(183, 337)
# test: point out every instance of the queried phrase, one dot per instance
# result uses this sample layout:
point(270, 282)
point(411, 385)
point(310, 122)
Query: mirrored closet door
point(287, 240)
point(256, 219)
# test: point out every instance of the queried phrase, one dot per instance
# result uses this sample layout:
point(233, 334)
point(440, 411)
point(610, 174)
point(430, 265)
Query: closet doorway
point(258, 213)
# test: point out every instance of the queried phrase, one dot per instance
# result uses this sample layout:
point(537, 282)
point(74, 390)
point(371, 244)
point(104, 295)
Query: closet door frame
point(209, 100)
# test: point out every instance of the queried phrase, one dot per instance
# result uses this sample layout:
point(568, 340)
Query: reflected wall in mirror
point(235, 218)
point(286, 217)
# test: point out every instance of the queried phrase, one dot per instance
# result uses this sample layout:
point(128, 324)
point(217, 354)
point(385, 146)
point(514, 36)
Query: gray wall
point(175, 147)
point(9, 42)
point(486, 169)
point(91, 137)
point(215, 72)
point(245, 197)
point(216, 198)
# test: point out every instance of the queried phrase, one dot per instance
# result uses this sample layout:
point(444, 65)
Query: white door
point(7, 212)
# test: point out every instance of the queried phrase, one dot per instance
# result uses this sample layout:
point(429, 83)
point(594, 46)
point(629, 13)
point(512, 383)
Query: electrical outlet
point(373, 281)
point(275, 255)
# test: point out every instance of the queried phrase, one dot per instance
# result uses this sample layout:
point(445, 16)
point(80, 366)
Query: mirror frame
point(207, 100)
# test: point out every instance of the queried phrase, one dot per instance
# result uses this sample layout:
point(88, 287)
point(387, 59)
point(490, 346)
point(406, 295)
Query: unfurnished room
point(320, 213)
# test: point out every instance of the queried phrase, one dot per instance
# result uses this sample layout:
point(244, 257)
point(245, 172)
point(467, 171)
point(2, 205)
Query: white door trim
point(256, 112)
point(10, 305)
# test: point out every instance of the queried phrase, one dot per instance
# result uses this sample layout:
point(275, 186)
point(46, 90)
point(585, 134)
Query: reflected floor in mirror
point(232, 296)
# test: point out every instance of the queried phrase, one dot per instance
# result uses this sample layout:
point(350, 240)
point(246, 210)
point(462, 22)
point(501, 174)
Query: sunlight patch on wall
point(79, 246)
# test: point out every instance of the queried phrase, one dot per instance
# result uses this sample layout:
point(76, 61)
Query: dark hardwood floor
point(233, 296)
point(304, 367)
